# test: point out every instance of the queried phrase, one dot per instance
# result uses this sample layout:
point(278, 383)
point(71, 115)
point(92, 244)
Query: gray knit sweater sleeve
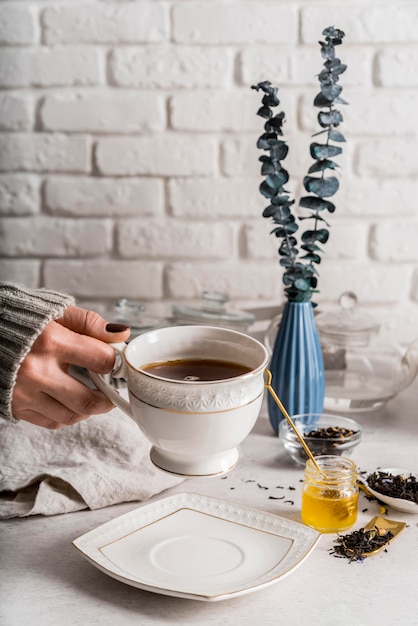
point(23, 315)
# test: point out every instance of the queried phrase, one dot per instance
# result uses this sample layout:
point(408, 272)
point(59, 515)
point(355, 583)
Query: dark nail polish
point(116, 328)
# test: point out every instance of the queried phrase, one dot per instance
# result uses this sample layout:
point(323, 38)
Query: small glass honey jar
point(330, 496)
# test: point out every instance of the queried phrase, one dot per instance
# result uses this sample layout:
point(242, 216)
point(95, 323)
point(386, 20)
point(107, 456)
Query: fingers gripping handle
point(119, 371)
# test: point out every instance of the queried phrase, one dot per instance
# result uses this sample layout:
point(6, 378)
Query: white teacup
point(194, 426)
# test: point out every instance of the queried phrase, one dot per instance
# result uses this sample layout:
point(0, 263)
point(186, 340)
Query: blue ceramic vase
point(296, 365)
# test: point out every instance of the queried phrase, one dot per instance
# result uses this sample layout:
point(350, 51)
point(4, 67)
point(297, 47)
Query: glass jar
point(330, 496)
point(134, 315)
point(213, 312)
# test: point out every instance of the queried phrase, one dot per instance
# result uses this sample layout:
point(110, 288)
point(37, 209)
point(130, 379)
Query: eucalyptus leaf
point(321, 101)
point(320, 166)
point(313, 258)
point(286, 262)
point(266, 141)
point(277, 180)
point(324, 187)
point(271, 99)
point(283, 231)
point(316, 204)
point(266, 190)
point(323, 151)
point(310, 236)
point(335, 135)
point(282, 200)
point(279, 151)
point(280, 213)
point(331, 91)
point(329, 118)
point(268, 168)
point(265, 112)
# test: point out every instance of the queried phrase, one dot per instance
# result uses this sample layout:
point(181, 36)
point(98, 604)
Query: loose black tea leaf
point(327, 440)
point(395, 486)
point(357, 544)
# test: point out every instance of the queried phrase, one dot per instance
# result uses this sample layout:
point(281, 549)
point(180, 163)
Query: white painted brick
point(25, 273)
point(168, 155)
point(106, 278)
point(366, 280)
point(44, 152)
point(47, 67)
point(258, 63)
point(376, 197)
point(48, 236)
point(239, 280)
point(175, 239)
point(104, 111)
point(208, 198)
point(384, 157)
point(214, 111)
point(84, 196)
point(125, 23)
point(18, 25)
point(19, 194)
point(347, 240)
point(258, 243)
point(396, 67)
point(16, 112)
point(221, 22)
point(382, 22)
point(395, 240)
point(169, 67)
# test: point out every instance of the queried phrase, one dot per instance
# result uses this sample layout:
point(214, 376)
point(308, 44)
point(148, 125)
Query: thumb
point(85, 322)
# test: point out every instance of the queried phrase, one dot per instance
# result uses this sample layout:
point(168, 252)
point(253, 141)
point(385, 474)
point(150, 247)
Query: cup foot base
point(213, 465)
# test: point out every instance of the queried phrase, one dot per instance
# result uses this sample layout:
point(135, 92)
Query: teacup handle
point(119, 371)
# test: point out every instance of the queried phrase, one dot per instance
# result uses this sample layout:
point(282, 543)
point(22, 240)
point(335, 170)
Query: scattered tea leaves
point(356, 545)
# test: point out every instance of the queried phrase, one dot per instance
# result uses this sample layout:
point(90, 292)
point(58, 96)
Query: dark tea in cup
point(196, 369)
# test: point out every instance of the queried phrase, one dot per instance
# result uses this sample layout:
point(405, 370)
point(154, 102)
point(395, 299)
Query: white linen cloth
point(101, 461)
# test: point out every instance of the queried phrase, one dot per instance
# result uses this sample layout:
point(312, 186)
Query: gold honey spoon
point(268, 386)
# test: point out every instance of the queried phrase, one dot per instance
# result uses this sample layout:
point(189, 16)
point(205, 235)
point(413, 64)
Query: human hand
point(45, 393)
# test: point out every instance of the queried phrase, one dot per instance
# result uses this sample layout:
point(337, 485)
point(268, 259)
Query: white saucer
point(193, 546)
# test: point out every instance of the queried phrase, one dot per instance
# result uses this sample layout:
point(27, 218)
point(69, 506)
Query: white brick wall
point(128, 165)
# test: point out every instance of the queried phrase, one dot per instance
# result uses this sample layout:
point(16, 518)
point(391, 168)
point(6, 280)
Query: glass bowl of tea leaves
point(324, 434)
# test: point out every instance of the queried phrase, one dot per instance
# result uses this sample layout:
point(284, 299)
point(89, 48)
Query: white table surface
point(46, 582)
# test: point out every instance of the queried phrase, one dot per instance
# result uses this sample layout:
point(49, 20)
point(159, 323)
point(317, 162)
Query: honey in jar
point(330, 496)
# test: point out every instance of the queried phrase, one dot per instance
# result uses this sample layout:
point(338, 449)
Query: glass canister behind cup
point(330, 496)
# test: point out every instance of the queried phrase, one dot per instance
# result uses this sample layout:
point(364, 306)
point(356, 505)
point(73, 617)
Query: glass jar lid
point(347, 326)
point(213, 312)
point(131, 312)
